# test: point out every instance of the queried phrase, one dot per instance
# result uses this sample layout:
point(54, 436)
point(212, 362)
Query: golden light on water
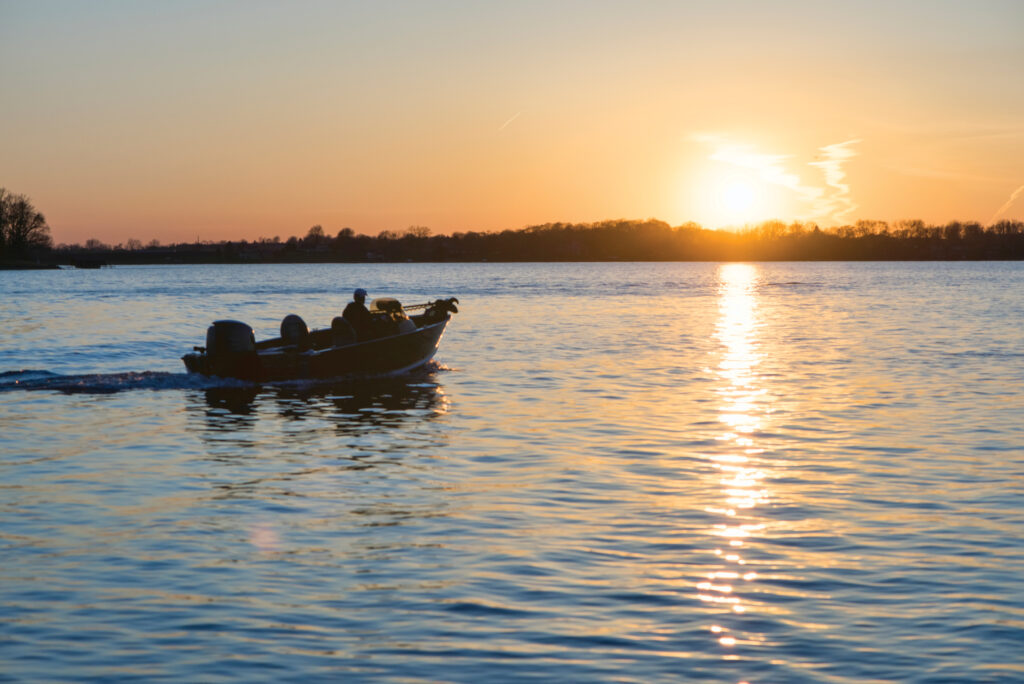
point(741, 412)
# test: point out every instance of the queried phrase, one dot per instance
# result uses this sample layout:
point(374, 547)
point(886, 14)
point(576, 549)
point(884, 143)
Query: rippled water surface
point(611, 472)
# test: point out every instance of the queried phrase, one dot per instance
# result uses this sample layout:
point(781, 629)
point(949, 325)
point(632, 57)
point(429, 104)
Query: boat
point(394, 344)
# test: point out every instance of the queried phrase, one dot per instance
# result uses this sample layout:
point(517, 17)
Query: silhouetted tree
point(417, 232)
point(910, 228)
point(314, 237)
point(972, 230)
point(1008, 228)
point(22, 228)
point(865, 228)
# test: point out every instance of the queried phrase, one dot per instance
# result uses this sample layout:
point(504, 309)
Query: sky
point(219, 120)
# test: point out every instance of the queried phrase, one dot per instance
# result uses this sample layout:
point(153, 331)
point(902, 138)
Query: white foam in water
point(102, 383)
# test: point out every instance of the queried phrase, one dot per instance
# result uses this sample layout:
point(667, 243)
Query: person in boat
point(359, 316)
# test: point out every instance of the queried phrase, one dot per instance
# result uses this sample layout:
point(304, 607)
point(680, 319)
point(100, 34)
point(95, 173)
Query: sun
point(737, 197)
point(723, 198)
point(736, 186)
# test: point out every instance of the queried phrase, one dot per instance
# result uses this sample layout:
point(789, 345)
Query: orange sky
point(229, 120)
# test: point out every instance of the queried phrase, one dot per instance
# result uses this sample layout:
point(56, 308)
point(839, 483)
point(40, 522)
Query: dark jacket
point(359, 318)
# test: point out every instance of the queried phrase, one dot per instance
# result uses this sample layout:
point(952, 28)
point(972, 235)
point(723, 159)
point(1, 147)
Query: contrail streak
point(1003, 209)
point(505, 125)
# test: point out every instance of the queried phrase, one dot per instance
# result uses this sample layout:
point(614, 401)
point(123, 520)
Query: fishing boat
point(398, 340)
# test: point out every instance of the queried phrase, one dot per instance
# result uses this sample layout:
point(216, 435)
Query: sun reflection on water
point(741, 478)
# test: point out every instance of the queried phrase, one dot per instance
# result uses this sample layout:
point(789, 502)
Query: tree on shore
point(22, 228)
point(314, 237)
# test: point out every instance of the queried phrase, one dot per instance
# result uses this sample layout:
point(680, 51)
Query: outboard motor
point(227, 337)
point(231, 349)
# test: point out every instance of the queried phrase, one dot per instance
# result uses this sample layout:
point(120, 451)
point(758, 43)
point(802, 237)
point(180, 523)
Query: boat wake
point(109, 383)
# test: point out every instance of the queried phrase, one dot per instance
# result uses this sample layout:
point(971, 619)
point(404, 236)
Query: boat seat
point(294, 331)
point(342, 332)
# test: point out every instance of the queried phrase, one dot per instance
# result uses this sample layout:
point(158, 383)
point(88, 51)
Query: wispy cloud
point(829, 202)
point(840, 204)
point(1009, 203)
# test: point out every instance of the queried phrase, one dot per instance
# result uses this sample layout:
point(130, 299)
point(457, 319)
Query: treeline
point(619, 240)
point(25, 242)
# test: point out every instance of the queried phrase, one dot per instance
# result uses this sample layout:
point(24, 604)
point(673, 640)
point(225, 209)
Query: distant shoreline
point(67, 266)
point(29, 267)
point(606, 241)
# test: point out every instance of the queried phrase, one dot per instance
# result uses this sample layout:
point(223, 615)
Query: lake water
point(611, 472)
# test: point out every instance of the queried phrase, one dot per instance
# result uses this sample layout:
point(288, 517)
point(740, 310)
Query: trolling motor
point(436, 310)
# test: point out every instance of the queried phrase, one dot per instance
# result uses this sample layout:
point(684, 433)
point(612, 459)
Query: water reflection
point(352, 407)
point(295, 469)
point(743, 407)
point(366, 422)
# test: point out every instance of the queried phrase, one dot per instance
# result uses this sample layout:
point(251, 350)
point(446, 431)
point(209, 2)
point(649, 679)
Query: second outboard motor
point(231, 349)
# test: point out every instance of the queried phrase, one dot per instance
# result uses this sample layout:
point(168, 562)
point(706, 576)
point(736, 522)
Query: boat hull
point(380, 357)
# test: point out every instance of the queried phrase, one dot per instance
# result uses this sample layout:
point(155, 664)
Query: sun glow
point(725, 197)
point(737, 197)
point(737, 200)
point(740, 184)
